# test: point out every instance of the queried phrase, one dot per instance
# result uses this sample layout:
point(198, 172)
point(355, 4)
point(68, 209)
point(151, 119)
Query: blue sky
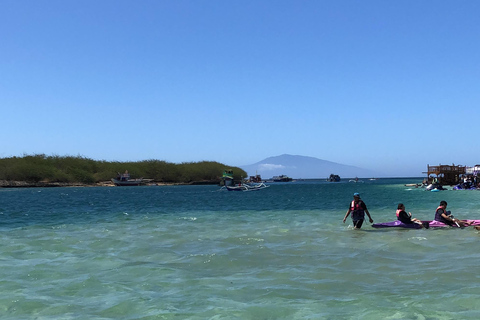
point(385, 85)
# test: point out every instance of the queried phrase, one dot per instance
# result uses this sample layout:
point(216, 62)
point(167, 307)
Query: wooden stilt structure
point(445, 174)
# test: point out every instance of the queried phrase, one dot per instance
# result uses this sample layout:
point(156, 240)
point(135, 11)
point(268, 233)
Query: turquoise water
point(192, 252)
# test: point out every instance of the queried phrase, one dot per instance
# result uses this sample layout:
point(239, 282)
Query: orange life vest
point(357, 210)
point(398, 212)
point(356, 206)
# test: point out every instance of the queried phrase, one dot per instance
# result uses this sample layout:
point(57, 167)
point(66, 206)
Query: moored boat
point(227, 177)
point(247, 187)
point(256, 178)
point(124, 180)
point(435, 187)
point(282, 178)
point(464, 186)
point(416, 185)
point(334, 178)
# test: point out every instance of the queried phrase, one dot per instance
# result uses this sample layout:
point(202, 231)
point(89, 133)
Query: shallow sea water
point(193, 252)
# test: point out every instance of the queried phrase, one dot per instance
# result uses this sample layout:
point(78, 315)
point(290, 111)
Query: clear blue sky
point(383, 85)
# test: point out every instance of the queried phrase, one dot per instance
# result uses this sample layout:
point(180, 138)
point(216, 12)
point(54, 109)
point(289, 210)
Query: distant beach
point(26, 184)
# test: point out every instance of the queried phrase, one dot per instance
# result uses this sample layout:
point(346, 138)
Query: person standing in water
point(357, 208)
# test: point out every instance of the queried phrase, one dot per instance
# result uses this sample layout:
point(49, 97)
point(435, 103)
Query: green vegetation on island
point(80, 170)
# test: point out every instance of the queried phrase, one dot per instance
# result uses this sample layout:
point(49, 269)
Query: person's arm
point(364, 206)
point(368, 214)
point(447, 217)
point(347, 214)
point(412, 218)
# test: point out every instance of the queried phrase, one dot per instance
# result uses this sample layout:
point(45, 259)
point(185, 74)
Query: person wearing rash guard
point(406, 218)
point(442, 215)
point(358, 210)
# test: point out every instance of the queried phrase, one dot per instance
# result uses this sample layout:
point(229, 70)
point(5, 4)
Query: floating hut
point(445, 174)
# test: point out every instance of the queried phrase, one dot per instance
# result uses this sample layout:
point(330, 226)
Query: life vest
point(357, 210)
point(356, 206)
point(438, 216)
point(398, 212)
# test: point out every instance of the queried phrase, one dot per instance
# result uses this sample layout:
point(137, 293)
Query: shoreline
point(45, 184)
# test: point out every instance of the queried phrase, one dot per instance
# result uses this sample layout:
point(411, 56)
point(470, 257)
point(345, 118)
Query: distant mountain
point(302, 167)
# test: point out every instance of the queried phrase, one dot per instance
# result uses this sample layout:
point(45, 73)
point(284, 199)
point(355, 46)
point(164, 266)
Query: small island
point(40, 170)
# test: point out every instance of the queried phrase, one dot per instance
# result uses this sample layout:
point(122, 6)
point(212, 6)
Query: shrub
point(35, 168)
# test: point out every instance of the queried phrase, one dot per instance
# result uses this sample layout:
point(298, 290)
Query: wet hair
point(443, 203)
point(400, 206)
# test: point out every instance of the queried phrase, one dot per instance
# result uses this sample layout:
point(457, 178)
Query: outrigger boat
point(247, 187)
